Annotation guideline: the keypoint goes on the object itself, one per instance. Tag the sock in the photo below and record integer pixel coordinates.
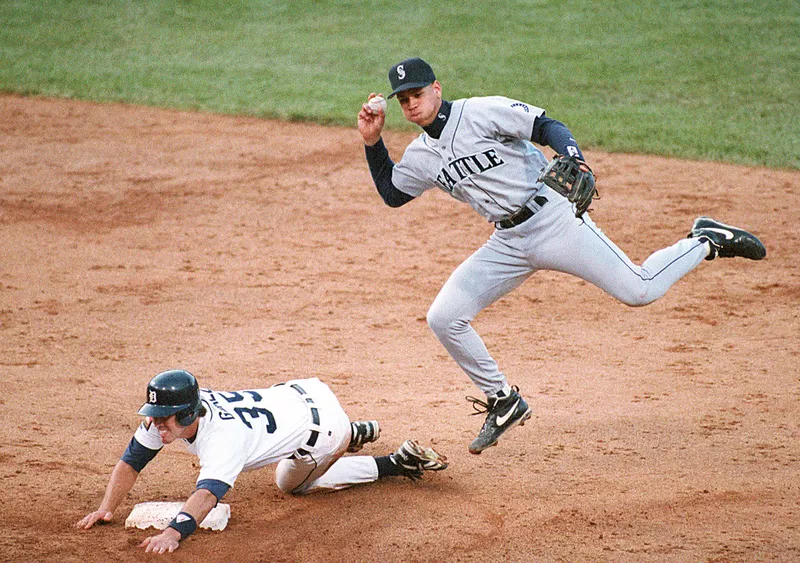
(386, 467)
(503, 393)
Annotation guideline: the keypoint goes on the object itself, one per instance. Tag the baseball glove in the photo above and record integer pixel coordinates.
(571, 177)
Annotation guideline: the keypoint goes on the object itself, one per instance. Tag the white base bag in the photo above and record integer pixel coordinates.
(159, 514)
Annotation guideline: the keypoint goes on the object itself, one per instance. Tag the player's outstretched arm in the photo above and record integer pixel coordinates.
(119, 485)
(194, 511)
(370, 122)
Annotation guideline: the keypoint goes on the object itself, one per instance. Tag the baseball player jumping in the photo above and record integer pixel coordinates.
(298, 424)
(480, 151)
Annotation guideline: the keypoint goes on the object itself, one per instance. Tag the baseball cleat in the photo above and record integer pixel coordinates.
(412, 460)
(363, 432)
(726, 241)
(503, 415)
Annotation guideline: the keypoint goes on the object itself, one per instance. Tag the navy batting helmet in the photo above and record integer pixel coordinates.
(173, 392)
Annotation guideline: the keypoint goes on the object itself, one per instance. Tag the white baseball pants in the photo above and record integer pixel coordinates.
(323, 467)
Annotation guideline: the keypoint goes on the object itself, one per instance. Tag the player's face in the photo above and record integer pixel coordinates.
(168, 428)
(420, 105)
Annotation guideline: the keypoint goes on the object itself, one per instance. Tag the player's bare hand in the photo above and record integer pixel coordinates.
(165, 542)
(96, 517)
(370, 122)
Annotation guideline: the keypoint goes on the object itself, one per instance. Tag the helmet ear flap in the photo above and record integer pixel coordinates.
(187, 416)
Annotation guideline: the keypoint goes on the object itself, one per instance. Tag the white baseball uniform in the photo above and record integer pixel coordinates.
(483, 156)
(298, 424)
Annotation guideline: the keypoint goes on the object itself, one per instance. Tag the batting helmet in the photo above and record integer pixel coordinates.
(173, 392)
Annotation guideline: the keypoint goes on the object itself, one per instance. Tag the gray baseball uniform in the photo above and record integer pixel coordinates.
(483, 156)
(481, 151)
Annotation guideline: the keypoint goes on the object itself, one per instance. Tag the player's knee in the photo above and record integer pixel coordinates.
(288, 480)
(283, 484)
(289, 487)
(439, 321)
(283, 487)
(638, 298)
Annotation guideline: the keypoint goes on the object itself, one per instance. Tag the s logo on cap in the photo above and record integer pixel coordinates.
(409, 74)
(153, 397)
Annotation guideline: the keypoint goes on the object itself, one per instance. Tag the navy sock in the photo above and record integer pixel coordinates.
(386, 468)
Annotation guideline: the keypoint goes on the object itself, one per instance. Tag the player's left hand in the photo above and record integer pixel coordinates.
(571, 177)
(165, 542)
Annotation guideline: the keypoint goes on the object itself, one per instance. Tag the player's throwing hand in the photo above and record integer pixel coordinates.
(370, 122)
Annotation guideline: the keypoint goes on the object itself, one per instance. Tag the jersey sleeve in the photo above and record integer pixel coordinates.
(148, 436)
(507, 117)
(143, 447)
(215, 487)
(555, 134)
(222, 458)
(411, 175)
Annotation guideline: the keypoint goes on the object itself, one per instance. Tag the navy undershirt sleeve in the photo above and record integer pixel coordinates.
(380, 166)
(555, 134)
(137, 456)
(216, 487)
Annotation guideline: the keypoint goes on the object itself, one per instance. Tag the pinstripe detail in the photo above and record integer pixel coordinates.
(471, 179)
(458, 123)
(303, 484)
(605, 242)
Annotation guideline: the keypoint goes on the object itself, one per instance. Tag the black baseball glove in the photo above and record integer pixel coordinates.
(571, 177)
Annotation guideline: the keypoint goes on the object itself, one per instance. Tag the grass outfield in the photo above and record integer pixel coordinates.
(714, 79)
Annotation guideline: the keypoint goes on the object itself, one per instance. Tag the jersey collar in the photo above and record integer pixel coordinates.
(435, 129)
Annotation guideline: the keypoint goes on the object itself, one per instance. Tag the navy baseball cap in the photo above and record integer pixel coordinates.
(409, 74)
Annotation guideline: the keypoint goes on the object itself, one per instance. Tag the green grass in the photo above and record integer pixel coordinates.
(712, 80)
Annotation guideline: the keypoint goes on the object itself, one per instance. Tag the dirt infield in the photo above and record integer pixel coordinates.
(136, 240)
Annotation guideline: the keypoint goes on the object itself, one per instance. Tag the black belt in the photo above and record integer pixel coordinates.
(521, 215)
(312, 439)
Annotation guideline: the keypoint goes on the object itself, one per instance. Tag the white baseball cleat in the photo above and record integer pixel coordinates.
(413, 459)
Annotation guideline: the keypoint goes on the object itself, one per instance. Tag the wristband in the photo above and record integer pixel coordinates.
(184, 523)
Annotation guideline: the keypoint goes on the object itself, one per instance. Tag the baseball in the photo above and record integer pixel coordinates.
(377, 104)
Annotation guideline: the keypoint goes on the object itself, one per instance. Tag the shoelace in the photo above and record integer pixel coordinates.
(482, 407)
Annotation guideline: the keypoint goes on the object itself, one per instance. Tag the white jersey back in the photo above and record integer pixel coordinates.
(483, 157)
(242, 430)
